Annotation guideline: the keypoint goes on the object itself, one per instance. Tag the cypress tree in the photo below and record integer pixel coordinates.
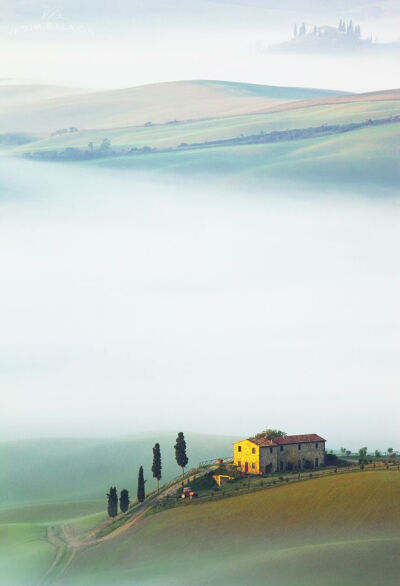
(140, 491)
(180, 453)
(112, 502)
(156, 468)
(124, 500)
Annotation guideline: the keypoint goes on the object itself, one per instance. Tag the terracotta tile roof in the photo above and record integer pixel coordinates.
(288, 439)
(261, 441)
(298, 439)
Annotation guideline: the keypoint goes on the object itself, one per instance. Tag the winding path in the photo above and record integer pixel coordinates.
(68, 545)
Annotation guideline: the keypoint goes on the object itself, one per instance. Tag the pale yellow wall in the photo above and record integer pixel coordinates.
(246, 455)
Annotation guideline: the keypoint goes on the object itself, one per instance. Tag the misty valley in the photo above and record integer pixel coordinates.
(199, 291)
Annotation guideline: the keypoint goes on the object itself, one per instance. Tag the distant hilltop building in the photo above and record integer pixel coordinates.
(344, 31)
(263, 455)
(346, 35)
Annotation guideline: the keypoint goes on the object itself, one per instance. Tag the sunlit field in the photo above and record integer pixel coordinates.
(322, 531)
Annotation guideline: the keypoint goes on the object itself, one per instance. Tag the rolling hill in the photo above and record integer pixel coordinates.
(42, 472)
(341, 529)
(335, 529)
(155, 103)
(187, 117)
(365, 160)
(47, 482)
(287, 116)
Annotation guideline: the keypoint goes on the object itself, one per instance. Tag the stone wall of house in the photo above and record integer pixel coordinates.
(309, 455)
(268, 459)
(252, 459)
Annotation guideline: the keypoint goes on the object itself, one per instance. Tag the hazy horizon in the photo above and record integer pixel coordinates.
(127, 44)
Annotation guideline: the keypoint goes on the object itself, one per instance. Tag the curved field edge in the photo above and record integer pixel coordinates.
(25, 553)
(363, 159)
(352, 520)
(171, 135)
(155, 103)
(51, 513)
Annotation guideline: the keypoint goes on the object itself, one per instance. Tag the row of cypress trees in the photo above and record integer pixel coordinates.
(182, 461)
(112, 501)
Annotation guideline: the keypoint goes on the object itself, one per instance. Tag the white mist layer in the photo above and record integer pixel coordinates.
(128, 304)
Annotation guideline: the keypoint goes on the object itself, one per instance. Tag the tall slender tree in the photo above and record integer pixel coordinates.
(350, 28)
(112, 502)
(140, 490)
(180, 453)
(124, 500)
(156, 468)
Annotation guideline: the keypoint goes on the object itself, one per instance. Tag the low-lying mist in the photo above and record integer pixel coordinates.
(128, 303)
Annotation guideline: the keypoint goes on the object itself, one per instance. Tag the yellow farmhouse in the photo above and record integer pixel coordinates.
(263, 455)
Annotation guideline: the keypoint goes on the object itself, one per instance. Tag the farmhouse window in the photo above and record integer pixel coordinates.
(253, 450)
(299, 446)
(239, 448)
(316, 446)
(253, 466)
(270, 450)
(281, 448)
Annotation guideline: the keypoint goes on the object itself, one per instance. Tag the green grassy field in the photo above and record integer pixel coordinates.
(51, 482)
(51, 513)
(340, 529)
(164, 136)
(49, 471)
(328, 531)
(365, 159)
(211, 110)
(25, 554)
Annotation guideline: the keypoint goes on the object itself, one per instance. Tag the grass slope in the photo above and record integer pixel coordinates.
(52, 513)
(12, 93)
(25, 554)
(380, 96)
(367, 157)
(50, 471)
(363, 159)
(164, 136)
(360, 159)
(329, 531)
(158, 103)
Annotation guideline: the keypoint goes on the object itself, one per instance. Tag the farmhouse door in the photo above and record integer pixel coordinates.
(246, 467)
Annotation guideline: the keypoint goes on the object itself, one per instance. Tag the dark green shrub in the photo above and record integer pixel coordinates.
(331, 460)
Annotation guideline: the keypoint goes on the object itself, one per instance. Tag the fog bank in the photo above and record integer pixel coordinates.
(128, 304)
